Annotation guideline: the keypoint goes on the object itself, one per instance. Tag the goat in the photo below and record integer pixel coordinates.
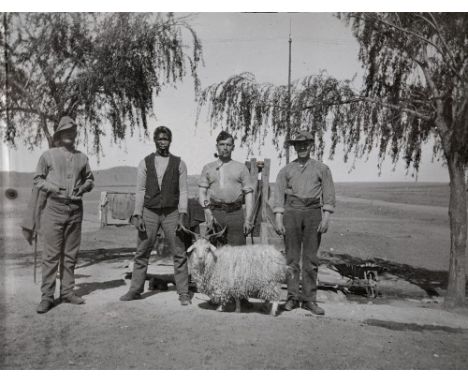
(237, 271)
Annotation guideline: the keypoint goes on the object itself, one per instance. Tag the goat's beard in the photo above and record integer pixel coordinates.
(201, 272)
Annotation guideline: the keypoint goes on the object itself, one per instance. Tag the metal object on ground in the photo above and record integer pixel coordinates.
(361, 275)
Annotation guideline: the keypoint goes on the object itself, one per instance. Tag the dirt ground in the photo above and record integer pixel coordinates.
(157, 333)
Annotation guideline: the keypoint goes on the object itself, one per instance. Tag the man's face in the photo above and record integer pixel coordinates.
(225, 148)
(68, 137)
(163, 143)
(303, 149)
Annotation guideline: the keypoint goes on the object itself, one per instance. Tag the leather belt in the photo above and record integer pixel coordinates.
(296, 201)
(67, 201)
(228, 207)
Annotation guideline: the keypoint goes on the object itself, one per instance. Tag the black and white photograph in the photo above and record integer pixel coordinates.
(252, 189)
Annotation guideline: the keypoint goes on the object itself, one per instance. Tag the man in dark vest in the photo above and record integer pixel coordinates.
(161, 201)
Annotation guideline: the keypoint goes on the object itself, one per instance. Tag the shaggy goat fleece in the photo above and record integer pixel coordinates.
(243, 271)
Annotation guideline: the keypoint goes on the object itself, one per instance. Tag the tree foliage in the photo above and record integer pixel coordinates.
(416, 66)
(396, 109)
(250, 109)
(93, 67)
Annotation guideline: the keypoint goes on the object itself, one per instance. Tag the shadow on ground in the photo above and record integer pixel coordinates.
(400, 326)
(253, 307)
(426, 279)
(87, 288)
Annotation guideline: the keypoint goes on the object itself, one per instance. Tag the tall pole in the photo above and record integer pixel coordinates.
(288, 122)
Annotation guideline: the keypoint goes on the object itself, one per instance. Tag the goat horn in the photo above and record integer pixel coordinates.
(216, 234)
(186, 230)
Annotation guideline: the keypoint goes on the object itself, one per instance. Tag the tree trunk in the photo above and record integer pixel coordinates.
(45, 130)
(458, 230)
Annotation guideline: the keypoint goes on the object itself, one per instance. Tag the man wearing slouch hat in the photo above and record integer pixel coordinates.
(64, 174)
(304, 199)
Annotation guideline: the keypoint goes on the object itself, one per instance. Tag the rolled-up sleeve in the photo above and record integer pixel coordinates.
(40, 176)
(328, 190)
(88, 177)
(245, 181)
(183, 188)
(280, 189)
(204, 181)
(140, 188)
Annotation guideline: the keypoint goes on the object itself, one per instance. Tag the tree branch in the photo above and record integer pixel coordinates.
(417, 35)
(20, 109)
(379, 102)
(407, 31)
(436, 27)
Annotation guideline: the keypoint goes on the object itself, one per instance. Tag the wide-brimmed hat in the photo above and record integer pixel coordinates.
(301, 136)
(66, 123)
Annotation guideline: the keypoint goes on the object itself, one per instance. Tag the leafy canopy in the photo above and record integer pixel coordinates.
(417, 62)
(415, 72)
(93, 67)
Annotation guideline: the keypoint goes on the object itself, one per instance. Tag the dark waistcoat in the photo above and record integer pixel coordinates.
(167, 195)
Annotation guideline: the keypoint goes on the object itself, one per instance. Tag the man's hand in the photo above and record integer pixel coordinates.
(182, 222)
(54, 190)
(279, 226)
(138, 222)
(323, 226)
(79, 191)
(248, 227)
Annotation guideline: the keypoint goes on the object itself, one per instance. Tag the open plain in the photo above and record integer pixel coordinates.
(399, 223)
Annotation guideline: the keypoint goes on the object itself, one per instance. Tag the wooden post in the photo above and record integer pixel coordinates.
(254, 176)
(265, 188)
(264, 233)
(265, 183)
(203, 228)
(103, 209)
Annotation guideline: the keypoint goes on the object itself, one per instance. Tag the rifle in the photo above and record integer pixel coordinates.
(35, 256)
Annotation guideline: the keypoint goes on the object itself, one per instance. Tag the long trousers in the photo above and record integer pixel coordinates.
(154, 219)
(302, 240)
(61, 230)
(234, 223)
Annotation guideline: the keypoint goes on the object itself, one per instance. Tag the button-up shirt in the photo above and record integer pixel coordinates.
(225, 181)
(312, 180)
(62, 172)
(160, 164)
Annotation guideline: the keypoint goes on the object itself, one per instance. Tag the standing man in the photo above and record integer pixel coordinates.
(222, 187)
(304, 200)
(64, 174)
(161, 201)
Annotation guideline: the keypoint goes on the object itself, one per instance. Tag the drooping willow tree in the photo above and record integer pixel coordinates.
(415, 87)
(94, 67)
(250, 110)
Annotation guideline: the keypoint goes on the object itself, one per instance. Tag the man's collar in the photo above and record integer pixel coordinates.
(305, 164)
(72, 150)
(159, 155)
(220, 163)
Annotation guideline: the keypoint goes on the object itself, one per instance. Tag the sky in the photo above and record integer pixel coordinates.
(258, 43)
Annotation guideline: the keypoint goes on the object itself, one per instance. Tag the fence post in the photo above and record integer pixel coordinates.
(265, 188)
(103, 209)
